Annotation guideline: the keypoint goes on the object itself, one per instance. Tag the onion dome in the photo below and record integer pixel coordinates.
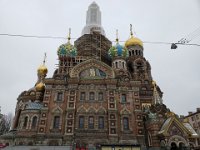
(67, 50)
(42, 70)
(40, 87)
(118, 50)
(133, 41)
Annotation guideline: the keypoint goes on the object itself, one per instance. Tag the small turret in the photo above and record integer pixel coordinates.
(118, 53)
(134, 45)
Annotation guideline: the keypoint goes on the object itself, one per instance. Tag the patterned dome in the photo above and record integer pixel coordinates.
(67, 50)
(118, 50)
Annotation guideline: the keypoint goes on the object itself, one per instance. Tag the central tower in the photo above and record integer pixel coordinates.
(93, 42)
(93, 20)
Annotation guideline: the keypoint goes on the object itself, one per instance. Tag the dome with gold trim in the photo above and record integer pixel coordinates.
(40, 87)
(118, 50)
(133, 41)
(67, 50)
(42, 70)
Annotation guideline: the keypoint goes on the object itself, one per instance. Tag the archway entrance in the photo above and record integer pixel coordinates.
(174, 146)
(181, 146)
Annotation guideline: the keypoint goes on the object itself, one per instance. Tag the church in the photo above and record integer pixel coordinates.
(101, 96)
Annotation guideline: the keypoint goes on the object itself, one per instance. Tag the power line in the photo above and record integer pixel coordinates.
(57, 37)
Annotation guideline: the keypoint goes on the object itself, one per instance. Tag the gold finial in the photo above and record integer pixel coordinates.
(45, 56)
(42, 70)
(69, 35)
(131, 30)
(117, 38)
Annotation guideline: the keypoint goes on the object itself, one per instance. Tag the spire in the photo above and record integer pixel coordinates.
(131, 30)
(69, 35)
(45, 56)
(117, 37)
(93, 20)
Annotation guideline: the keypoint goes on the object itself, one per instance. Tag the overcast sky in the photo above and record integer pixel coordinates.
(177, 72)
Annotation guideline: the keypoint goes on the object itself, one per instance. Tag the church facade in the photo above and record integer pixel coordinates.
(99, 95)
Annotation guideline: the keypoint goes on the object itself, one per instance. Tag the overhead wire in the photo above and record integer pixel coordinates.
(57, 37)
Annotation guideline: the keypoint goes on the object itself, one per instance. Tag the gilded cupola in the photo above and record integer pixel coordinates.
(42, 70)
(40, 87)
(133, 41)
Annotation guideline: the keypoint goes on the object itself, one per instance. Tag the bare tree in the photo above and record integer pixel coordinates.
(5, 123)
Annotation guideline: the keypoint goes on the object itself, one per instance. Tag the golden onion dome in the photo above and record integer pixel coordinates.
(42, 70)
(133, 41)
(40, 87)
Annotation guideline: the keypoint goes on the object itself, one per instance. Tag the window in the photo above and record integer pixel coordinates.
(91, 98)
(100, 97)
(91, 122)
(82, 96)
(116, 64)
(123, 98)
(56, 122)
(34, 122)
(125, 123)
(101, 122)
(81, 122)
(59, 96)
(25, 122)
(123, 65)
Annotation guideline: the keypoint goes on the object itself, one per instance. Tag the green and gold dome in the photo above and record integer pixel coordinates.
(67, 49)
(118, 50)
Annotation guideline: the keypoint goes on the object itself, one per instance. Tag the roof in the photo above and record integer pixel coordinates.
(190, 128)
(33, 105)
(166, 125)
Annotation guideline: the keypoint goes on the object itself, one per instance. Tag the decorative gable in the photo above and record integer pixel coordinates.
(92, 68)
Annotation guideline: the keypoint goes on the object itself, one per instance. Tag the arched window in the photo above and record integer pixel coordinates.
(100, 96)
(82, 96)
(125, 123)
(123, 65)
(129, 53)
(34, 122)
(56, 122)
(123, 98)
(120, 64)
(101, 122)
(81, 122)
(25, 122)
(116, 64)
(59, 96)
(91, 122)
(91, 96)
